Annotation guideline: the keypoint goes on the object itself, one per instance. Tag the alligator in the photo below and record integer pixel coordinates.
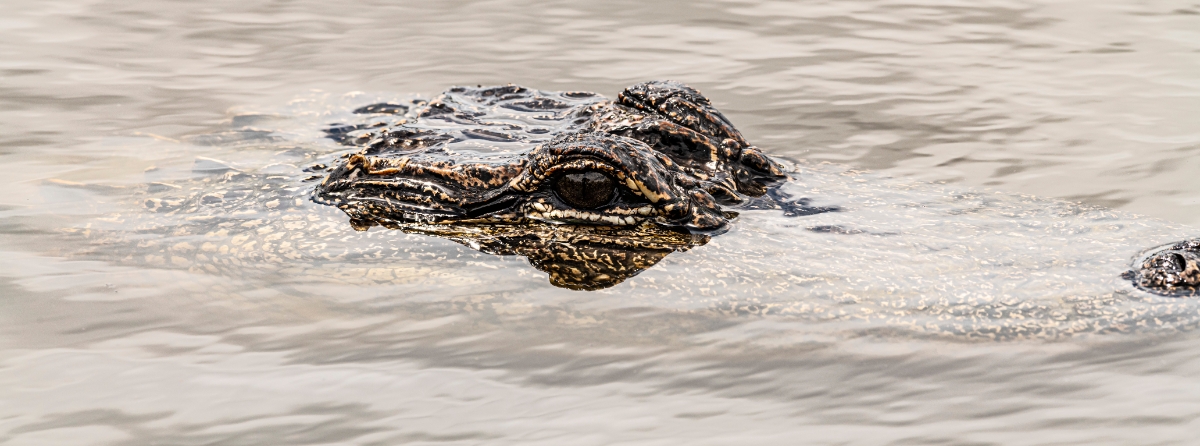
(591, 190)
(1169, 270)
(231, 212)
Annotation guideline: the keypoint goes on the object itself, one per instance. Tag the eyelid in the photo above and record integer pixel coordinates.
(587, 165)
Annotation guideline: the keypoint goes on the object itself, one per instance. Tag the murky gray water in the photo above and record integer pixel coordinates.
(135, 311)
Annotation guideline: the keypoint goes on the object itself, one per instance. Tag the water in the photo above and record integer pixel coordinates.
(960, 313)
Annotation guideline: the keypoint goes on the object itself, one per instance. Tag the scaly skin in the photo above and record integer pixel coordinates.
(673, 158)
(1172, 270)
(480, 166)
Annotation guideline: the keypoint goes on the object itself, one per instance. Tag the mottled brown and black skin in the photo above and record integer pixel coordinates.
(480, 166)
(1171, 270)
(675, 160)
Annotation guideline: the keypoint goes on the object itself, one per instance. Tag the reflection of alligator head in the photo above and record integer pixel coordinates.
(590, 190)
(580, 257)
(1170, 270)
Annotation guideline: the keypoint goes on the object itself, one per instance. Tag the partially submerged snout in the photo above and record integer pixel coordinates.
(375, 189)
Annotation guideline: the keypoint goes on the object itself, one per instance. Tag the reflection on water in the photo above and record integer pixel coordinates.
(164, 278)
(577, 257)
(590, 190)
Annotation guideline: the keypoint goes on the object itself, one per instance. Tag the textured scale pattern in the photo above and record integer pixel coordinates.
(492, 154)
(481, 166)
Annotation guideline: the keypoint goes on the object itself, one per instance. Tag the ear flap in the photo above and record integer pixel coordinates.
(695, 134)
(683, 105)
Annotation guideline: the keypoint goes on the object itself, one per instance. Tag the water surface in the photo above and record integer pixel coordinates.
(970, 312)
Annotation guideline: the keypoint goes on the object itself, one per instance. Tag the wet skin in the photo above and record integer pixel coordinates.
(592, 191)
(1170, 270)
(660, 154)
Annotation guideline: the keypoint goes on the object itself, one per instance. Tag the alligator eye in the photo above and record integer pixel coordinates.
(1178, 262)
(585, 190)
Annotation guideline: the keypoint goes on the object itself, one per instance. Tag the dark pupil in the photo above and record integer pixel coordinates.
(587, 190)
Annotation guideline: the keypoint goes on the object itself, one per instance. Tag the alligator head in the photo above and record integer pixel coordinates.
(1170, 270)
(563, 178)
